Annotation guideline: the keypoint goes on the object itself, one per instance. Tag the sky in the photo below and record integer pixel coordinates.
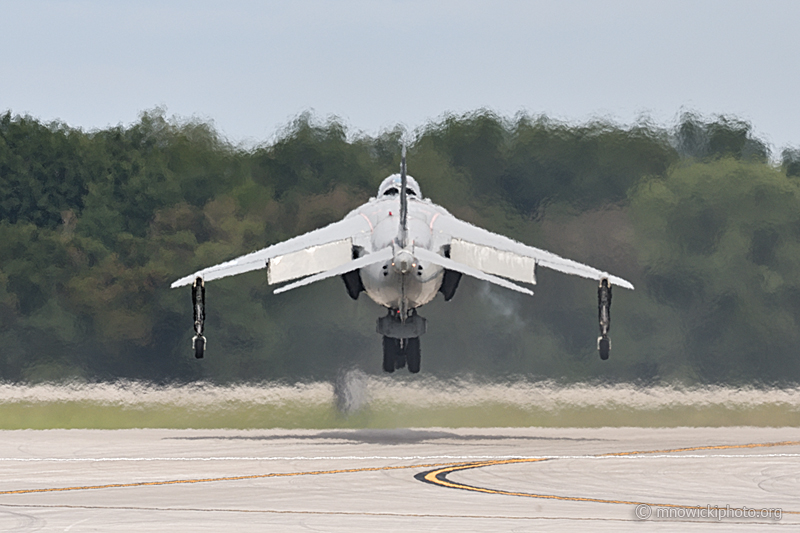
(251, 66)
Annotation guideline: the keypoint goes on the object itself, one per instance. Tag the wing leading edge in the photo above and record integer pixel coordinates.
(315, 251)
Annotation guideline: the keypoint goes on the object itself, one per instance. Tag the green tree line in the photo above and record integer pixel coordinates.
(94, 226)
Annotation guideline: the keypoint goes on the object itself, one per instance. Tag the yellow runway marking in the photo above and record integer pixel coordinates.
(439, 476)
(216, 479)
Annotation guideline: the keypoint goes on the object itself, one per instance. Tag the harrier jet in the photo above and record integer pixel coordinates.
(401, 249)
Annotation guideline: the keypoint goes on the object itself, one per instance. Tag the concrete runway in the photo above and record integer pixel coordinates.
(504, 479)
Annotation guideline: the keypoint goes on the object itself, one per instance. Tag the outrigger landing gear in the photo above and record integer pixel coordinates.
(199, 305)
(604, 312)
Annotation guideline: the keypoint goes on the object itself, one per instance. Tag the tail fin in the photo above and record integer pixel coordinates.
(403, 198)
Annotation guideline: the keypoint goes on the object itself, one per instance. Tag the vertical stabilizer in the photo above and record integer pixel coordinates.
(403, 199)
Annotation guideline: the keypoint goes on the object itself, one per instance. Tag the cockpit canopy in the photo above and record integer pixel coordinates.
(391, 187)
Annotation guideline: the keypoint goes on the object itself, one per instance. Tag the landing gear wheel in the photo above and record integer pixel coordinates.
(413, 353)
(391, 351)
(199, 346)
(604, 346)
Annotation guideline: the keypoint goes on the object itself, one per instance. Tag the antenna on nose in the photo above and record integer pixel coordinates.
(403, 197)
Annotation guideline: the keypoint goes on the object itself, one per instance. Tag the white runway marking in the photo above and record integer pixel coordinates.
(388, 457)
(76, 523)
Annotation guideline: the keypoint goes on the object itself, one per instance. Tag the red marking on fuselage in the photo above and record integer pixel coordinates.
(371, 228)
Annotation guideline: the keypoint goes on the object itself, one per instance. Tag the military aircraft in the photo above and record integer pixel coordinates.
(401, 249)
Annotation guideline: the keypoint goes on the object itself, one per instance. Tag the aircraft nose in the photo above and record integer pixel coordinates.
(403, 262)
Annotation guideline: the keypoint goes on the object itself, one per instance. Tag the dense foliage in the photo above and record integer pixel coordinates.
(95, 225)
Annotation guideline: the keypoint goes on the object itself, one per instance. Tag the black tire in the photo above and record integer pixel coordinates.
(391, 349)
(413, 352)
(605, 348)
(400, 360)
(199, 347)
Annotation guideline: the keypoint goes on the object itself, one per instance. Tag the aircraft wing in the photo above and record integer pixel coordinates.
(316, 251)
(496, 254)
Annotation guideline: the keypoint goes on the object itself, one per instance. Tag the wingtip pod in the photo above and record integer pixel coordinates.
(187, 280)
(619, 282)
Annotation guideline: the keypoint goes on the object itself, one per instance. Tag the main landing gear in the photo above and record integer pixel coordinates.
(199, 306)
(604, 312)
(397, 353)
(401, 346)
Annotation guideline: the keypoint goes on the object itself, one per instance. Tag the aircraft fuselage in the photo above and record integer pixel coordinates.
(386, 283)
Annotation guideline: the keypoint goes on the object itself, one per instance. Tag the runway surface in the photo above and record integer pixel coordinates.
(502, 479)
